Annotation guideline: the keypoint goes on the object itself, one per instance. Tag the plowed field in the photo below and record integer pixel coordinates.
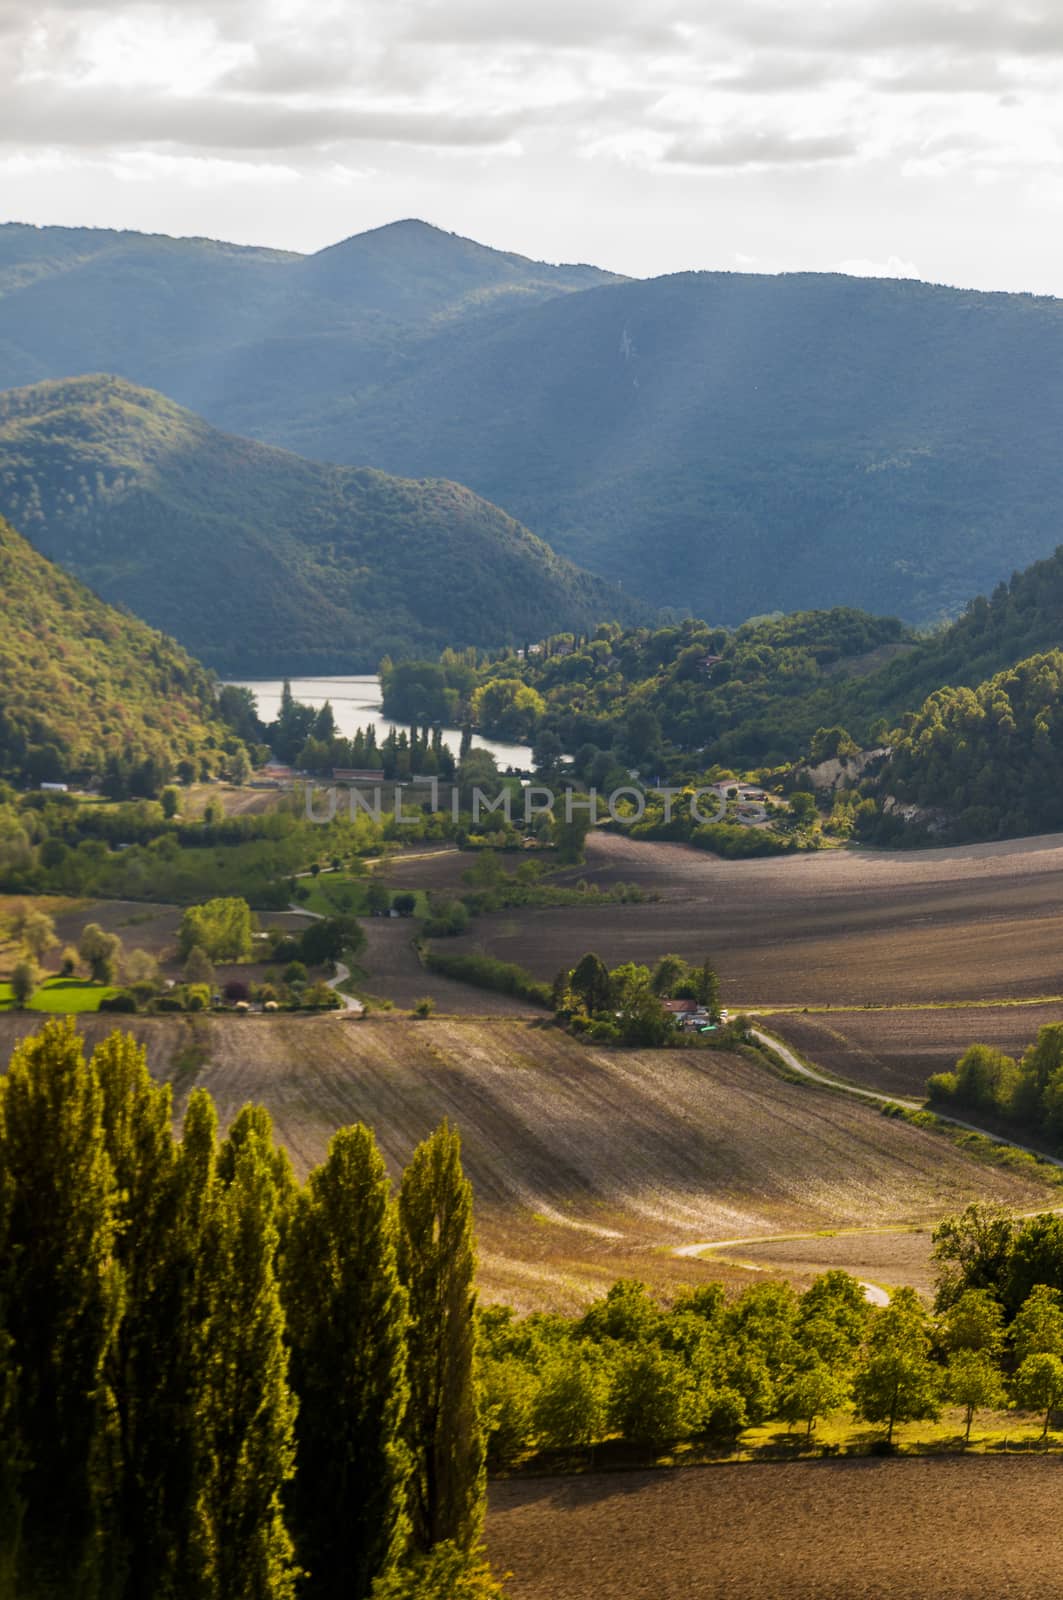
(587, 1164)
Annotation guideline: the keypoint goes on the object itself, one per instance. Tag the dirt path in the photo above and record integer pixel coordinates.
(343, 971)
(795, 1064)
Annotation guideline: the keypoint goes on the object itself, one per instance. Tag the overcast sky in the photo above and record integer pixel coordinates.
(918, 137)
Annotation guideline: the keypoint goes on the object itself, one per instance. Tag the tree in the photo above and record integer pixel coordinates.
(569, 1407)
(246, 1424)
(973, 1251)
(1038, 1325)
(100, 951)
(141, 967)
(1038, 1386)
(815, 1392)
(60, 1292)
(138, 1138)
(646, 1397)
(24, 980)
(669, 971)
(378, 899)
(327, 938)
(590, 981)
(708, 989)
(346, 1312)
(447, 1573)
(198, 968)
(973, 1322)
(973, 1381)
(803, 807)
(405, 904)
(221, 927)
(896, 1381)
(38, 934)
(437, 1264)
(171, 802)
(68, 961)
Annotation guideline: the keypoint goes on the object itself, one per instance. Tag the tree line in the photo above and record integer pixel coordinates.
(706, 1368)
(217, 1383)
(1028, 1091)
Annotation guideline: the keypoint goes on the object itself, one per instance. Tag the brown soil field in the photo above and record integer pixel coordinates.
(838, 927)
(950, 1528)
(896, 1051)
(587, 1164)
(394, 972)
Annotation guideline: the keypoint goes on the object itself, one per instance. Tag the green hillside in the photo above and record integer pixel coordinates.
(259, 561)
(723, 443)
(81, 682)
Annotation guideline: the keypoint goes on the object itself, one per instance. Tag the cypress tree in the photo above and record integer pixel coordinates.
(142, 1362)
(437, 1264)
(245, 1426)
(346, 1313)
(61, 1294)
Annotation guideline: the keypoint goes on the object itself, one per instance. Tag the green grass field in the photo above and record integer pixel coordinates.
(61, 996)
(335, 893)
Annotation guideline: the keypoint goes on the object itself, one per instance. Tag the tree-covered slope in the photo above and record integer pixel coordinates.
(258, 560)
(740, 444)
(80, 681)
(244, 334)
(725, 443)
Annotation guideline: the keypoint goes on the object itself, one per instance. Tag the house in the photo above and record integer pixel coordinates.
(55, 788)
(680, 1008)
(357, 774)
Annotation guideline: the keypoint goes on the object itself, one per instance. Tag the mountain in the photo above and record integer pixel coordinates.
(80, 681)
(720, 443)
(231, 331)
(258, 561)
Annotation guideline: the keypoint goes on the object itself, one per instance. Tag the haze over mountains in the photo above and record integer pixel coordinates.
(775, 442)
(261, 562)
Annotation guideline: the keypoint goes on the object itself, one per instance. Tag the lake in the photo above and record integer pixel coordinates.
(355, 704)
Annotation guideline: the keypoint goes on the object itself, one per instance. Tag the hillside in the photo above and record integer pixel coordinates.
(570, 1194)
(239, 333)
(80, 681)
(259, 561)
(789, 442)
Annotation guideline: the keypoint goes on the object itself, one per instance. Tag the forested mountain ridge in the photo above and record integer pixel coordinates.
(792, 442)
(259, 561)
(81, 682)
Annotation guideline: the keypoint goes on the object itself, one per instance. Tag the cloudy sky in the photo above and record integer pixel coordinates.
(918, 137)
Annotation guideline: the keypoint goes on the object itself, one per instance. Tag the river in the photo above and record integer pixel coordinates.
(355, 704)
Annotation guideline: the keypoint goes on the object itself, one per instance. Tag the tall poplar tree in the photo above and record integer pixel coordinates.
(143, 1360)
(346, 1314)
(437, 1264)
(245, 1426)
(61, 1294)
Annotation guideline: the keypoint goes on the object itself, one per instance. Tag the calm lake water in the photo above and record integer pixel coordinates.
(356, 704)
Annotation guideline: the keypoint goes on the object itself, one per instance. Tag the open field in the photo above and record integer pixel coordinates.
(839, 927)
(951, 1528)
(61, 997)
(588, 1164)
(896, 1051)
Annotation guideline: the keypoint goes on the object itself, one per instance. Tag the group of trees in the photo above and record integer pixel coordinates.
(217, 1383)
(306, 737)
(1028, 1091)
(708, 1367)
(625, 1004)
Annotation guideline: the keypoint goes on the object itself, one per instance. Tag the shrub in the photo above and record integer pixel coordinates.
(425, 1007)
(123, 1001)
(485, 972)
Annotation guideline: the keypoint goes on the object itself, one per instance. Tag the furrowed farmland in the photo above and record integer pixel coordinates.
(841, 927)
(953, 1529)
(590, 1164)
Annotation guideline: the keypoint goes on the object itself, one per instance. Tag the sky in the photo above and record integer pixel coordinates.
(916, 138)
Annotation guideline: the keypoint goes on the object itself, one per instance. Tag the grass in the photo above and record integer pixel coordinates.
(64, 997)
(338, 894)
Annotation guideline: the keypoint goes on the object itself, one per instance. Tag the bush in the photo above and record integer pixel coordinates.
(447, 1573)
(236, 990)
(425, 1007)
(123, 1001)
(485, 972)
